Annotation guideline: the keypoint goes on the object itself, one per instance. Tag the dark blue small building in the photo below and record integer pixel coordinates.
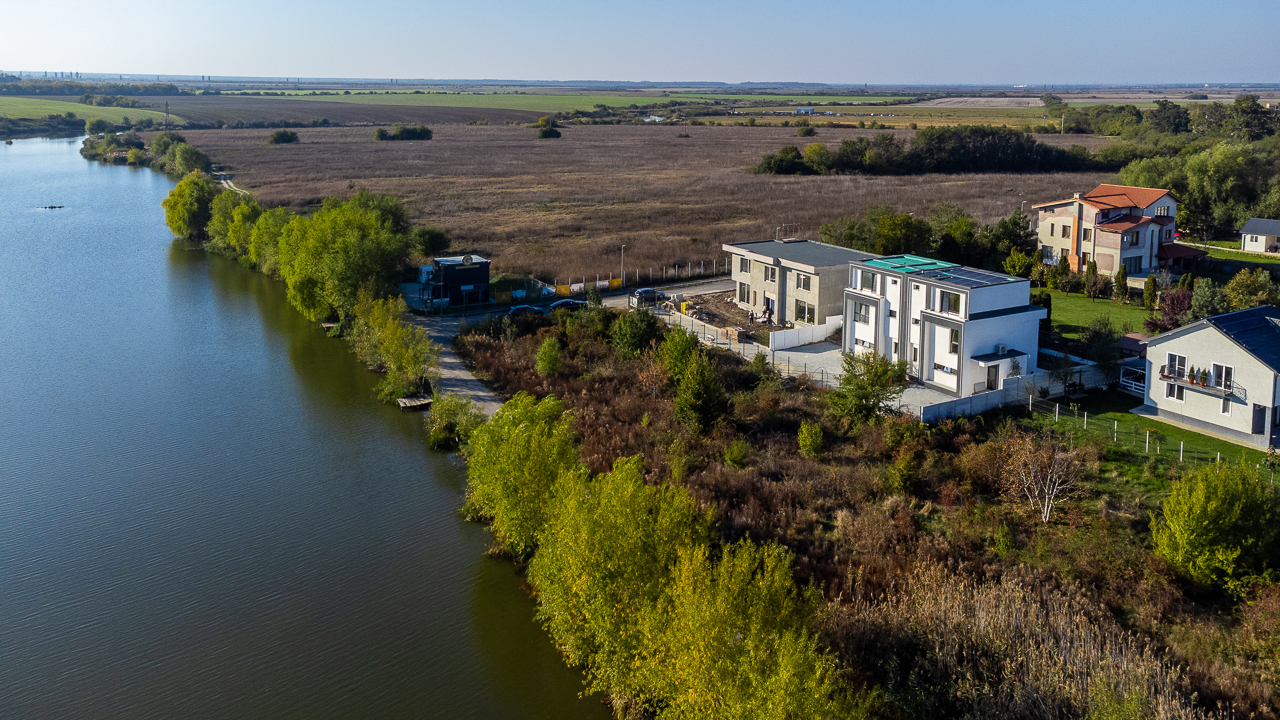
(461, 280)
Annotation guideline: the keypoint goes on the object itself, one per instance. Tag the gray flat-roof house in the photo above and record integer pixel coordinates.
(961, 329)
(1235, 387)
(796, 281)
(1260, 235)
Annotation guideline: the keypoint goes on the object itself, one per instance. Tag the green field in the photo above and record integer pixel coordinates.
(532, 102)
(33, 108)
(1072, 313)
(1218, 253)
(793, 99)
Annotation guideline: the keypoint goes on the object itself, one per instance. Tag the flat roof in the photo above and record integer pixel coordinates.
(461, 260)
(802, 252)
(950, 273)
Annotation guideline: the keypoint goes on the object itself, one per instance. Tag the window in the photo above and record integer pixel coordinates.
(955, 342)
(1222, 375)
(915, 354)
(770, 274)
(949, 302)
(1135, 239)
(861, 313)
(1176, 366)
(868, 281)
(895, 347)
(1168, 234)
(744, 265)
(1064, 252)
(802, 281)
(943, 368)
(1226, 406)
(1086, 234)
(915, 321)
(915, 286)
(1132, 265)
(804, 312)
(1048, 255)
(1053, 230)
(1175, 392)
(893, 313)
(1066, 231)
(1084, 259)
(744, 293)
(1162, 211)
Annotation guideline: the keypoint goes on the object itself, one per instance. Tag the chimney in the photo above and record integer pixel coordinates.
(1077, 196)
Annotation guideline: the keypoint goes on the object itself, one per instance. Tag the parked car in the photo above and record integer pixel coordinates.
(645, 297)
(525, 310)
(567, 304)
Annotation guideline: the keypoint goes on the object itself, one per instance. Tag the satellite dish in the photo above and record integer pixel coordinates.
(466, 261)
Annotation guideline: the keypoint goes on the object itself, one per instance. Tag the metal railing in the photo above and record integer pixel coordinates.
(1211, 383)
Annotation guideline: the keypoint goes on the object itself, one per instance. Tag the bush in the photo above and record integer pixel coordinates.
(547, 133)
(282, 137)
(548, 359)
(700, 399)
(1219, 527)
(451, 421)
(97, 126)
(810, 440)
(632, 332)
(136, 156)
(737, 453)
(187, 208)
(805, 131)
(417, 132)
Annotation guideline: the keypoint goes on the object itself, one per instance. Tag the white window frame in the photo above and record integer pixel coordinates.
(944, 304)
(1162, 211)
(1175, 392)
(802, 281)
(1226, 405)
(1178, 364)
(867, 280)
(744, 265)
(954, 342)
(805, 313)
(771, 274)
(744, 293)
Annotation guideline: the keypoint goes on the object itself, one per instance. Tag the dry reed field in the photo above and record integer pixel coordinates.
(560, 208)
(230, 108)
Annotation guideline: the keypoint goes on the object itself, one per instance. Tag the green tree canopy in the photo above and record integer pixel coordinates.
(187, 208)
(869, 388)
(700, 397)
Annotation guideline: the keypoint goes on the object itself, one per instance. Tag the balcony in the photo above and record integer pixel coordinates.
(1214, 386)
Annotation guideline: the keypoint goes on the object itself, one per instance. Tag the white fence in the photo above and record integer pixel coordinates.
(797, 336)
(1013, 391)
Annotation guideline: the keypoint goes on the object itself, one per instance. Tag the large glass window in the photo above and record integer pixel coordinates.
(1173, 391)
(804, 312)
(1162, 211)
(744, 293)
(861, 313)
(869, 281)
(744, 265)
(949, 302)
(771, 274)
(802, 281)
(1176, 365)
(1222, 375)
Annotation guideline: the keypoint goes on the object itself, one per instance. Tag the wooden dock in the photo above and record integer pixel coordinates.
(416, 403)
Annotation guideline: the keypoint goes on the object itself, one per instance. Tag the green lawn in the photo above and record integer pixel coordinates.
(1124, 435)
(1072, 313)
(1218, 253)
(36, 108)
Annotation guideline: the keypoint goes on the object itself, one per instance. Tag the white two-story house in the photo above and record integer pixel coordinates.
(962, 330)
(1113, 225)
(1221, 373)
(791, 281)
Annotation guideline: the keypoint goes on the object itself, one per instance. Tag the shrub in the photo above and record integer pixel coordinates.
(869, 388)
(678, 347)
(805, 131)
(136, 156)
(97, 126)
(737, 453)
(1218, 527)
(417, 132)
(548, 359)
(632, 332)
(700, 399)
(547, 133)
(282, 137)
(810, 440)
(451, 421)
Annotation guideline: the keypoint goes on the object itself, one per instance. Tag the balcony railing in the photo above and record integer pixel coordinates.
(1212, 385)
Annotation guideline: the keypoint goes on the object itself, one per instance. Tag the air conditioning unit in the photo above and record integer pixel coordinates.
(1002, 349)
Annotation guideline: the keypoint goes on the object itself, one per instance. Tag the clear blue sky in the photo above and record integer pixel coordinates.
(888, 41)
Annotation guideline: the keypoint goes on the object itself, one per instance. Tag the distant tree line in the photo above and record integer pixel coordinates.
(1243, 119)
(110, 101)
(55, 125)
(67, 87)
(965, 148)
(168, 152)
(946, 233)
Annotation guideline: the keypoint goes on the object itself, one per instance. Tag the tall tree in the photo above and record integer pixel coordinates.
(187, 208)
(869, 388)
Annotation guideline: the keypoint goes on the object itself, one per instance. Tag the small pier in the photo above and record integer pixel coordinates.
(417, 403)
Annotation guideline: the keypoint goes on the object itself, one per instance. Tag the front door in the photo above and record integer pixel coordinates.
(993, 376)
(769, 307)
(1259, 419)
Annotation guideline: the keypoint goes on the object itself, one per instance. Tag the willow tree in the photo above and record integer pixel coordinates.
(187, 208)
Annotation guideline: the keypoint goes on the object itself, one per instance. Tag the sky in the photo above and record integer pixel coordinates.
(850, 42)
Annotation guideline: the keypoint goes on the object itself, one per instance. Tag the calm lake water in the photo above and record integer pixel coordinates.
(204, 512)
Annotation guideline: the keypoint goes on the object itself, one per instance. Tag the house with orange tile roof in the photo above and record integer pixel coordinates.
(1114, 226)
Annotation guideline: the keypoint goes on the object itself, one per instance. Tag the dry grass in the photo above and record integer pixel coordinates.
(230, 108)
(563, 207)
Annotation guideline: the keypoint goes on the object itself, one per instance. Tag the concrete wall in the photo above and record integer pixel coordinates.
(1254, 383)
(995, 297)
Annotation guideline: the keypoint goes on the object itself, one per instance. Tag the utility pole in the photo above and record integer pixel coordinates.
(624, 266)
(166, 116)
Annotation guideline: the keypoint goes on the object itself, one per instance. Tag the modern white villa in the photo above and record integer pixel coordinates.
(791, 281)
(961, 329)
(1221, 374)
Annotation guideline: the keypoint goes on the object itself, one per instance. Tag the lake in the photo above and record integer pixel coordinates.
(204, 511)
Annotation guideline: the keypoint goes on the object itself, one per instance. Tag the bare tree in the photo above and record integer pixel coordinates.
(1041, 470)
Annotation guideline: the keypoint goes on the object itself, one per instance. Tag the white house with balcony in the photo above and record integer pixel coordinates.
(962, 330)
(1221, 374)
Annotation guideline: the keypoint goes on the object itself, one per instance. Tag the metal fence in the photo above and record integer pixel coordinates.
(716, 337)
(1136, 433)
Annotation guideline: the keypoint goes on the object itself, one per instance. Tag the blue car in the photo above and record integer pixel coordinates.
(568, 305)
(525, 310)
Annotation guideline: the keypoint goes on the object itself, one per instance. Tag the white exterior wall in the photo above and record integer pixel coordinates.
(1253, 381)
(940, 343)
(1257, 243)
(1018, 332)
(996, 297)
